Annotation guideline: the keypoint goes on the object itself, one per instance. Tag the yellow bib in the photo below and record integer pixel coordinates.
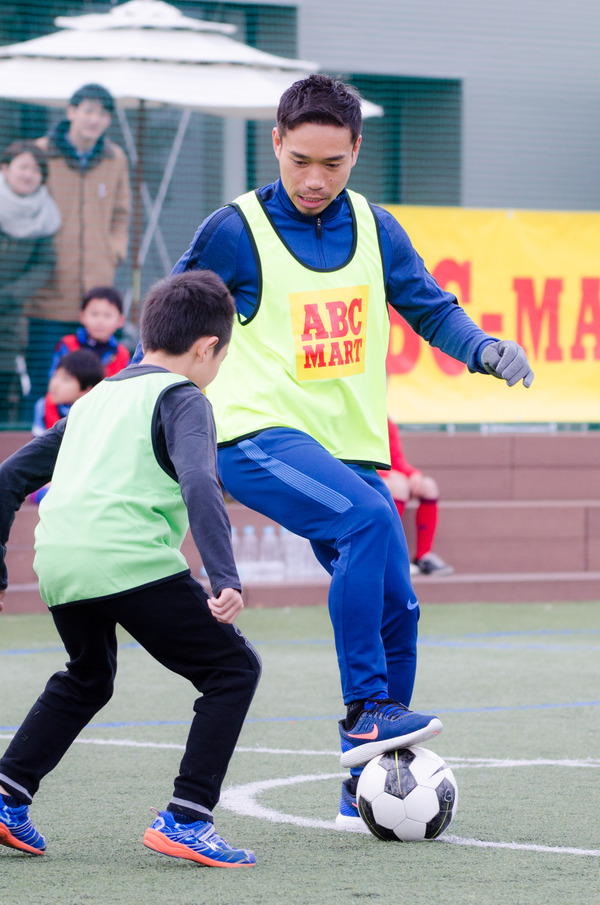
(312, 357)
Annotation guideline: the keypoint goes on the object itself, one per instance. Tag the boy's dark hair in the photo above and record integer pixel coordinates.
(103, 292)
(320, 99)
(180, 309)
(85, 366)
(93, 92)
(25, 146)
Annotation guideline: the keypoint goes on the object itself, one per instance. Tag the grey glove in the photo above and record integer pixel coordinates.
(507, 360)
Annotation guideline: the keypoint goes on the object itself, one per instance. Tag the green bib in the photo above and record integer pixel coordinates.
(312, 357)
(113, 519)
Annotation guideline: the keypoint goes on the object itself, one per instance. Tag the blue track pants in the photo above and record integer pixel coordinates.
(348, 514)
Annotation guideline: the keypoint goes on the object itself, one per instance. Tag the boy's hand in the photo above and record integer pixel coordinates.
(2, 593)
(226, 606)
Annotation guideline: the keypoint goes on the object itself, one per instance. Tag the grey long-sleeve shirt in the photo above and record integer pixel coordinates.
(185, 445)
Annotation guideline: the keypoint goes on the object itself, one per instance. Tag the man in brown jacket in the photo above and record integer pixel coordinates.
(89, 180)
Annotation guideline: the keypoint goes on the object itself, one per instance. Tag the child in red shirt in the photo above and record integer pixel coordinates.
(101, 316)
(406, 482)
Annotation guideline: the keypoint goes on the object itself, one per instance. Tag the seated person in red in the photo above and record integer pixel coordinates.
(77, 372)
(101, 316)
(405, 483)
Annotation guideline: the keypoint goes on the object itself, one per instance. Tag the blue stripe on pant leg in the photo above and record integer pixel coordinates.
(296, 479)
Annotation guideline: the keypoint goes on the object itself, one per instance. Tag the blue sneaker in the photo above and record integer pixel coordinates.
(384, 725)
(17, 830)
(348, 819)
(194, 841)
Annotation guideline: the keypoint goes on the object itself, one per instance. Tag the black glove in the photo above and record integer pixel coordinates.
(507, 360)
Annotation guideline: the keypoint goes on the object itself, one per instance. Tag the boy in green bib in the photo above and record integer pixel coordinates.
(132, 466)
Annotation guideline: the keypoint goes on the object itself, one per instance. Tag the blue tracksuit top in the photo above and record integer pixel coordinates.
(222, 244)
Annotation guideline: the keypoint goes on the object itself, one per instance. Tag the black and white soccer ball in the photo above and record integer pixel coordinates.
(407, 795)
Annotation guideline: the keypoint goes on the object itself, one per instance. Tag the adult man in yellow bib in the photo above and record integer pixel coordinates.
(300, 401)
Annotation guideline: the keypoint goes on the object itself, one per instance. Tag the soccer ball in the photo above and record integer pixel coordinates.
(407, 795)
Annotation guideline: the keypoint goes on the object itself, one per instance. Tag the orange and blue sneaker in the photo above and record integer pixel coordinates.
(349, 819)
(17, 830)
(384, 725)
(196, 841)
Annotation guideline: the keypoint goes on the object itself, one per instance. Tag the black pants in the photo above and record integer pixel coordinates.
(172, 621)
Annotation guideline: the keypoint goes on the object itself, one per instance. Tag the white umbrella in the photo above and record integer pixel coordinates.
(147, 53)
(147, 50)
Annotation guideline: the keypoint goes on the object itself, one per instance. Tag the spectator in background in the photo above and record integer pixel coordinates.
(29, 218)
(88, 177)
(405, 483)
(75, 376)
(101, 316)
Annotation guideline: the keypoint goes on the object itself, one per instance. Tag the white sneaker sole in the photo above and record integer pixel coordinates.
(351, 824)
(362, 754)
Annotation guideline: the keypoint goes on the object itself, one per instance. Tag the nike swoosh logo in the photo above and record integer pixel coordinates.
(412, 606)
(368, 736)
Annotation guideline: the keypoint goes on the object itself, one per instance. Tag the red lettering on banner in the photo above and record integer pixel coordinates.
(348, 351)
(403, 359)
(357, 347)
(449, 271)
(588, 321)
(313, 322)
(335, 357)
(337, 317)
(536, 314)
(314, 358)
(354, 307)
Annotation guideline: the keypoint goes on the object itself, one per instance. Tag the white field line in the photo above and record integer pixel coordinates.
(241, 799)
(455, 763)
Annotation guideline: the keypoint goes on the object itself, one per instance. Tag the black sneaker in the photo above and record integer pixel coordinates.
(432, 564)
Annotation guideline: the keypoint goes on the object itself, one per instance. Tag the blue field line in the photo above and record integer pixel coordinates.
(458, 644)
(461, 641)
(508, 708)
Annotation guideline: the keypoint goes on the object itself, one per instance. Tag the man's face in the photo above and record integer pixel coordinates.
(315, 161)
(89, 120)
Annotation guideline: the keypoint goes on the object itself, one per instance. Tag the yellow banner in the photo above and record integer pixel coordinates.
(531, 276)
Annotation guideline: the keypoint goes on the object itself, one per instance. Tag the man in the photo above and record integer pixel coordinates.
(88, 177)
(300, 402)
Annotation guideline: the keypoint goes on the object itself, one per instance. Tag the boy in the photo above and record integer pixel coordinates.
(75, 375)
(132, 456)
(101, 316)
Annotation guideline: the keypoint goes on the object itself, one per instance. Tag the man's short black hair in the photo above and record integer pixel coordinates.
(181, 309)
(85, 366)
(320, 99)
(26, 146)
(93, 92)
(103, 292)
